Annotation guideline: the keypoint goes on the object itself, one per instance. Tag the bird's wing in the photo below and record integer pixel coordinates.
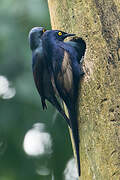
(67, 73)
(38, 73)
(65, 76)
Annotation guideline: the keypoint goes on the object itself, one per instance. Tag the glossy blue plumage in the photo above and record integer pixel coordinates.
(43, 81)
(62, 62)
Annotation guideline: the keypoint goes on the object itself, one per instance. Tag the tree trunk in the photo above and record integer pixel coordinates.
(98, 23)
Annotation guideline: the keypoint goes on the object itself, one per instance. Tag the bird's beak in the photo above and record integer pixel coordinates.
(68, 35)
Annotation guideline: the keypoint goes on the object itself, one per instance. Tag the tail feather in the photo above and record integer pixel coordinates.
(75, 133)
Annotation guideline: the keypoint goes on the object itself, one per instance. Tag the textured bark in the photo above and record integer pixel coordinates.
(98, 23)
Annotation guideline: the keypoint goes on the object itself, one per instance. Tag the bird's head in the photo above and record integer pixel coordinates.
(57, 35)
(35, 35)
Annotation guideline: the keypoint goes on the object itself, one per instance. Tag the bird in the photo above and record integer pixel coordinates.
(43, 81)
(62, 61)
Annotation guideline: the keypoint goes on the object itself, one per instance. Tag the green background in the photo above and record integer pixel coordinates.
(19, 113)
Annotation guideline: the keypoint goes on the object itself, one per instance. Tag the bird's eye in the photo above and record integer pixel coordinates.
(44, 30)
(60, 33)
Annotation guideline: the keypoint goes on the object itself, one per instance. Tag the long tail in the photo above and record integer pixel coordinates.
(75, 133)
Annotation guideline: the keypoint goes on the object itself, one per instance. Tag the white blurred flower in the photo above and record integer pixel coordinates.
(43, 171)
(70, 172)
(37, 142)
(6, 92)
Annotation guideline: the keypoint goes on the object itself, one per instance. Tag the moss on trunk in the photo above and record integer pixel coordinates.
(98, 23)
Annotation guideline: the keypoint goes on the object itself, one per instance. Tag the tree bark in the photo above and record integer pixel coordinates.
(98, 23)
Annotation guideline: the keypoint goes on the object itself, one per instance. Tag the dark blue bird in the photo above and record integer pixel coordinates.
(62, 61)
(43, 81)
